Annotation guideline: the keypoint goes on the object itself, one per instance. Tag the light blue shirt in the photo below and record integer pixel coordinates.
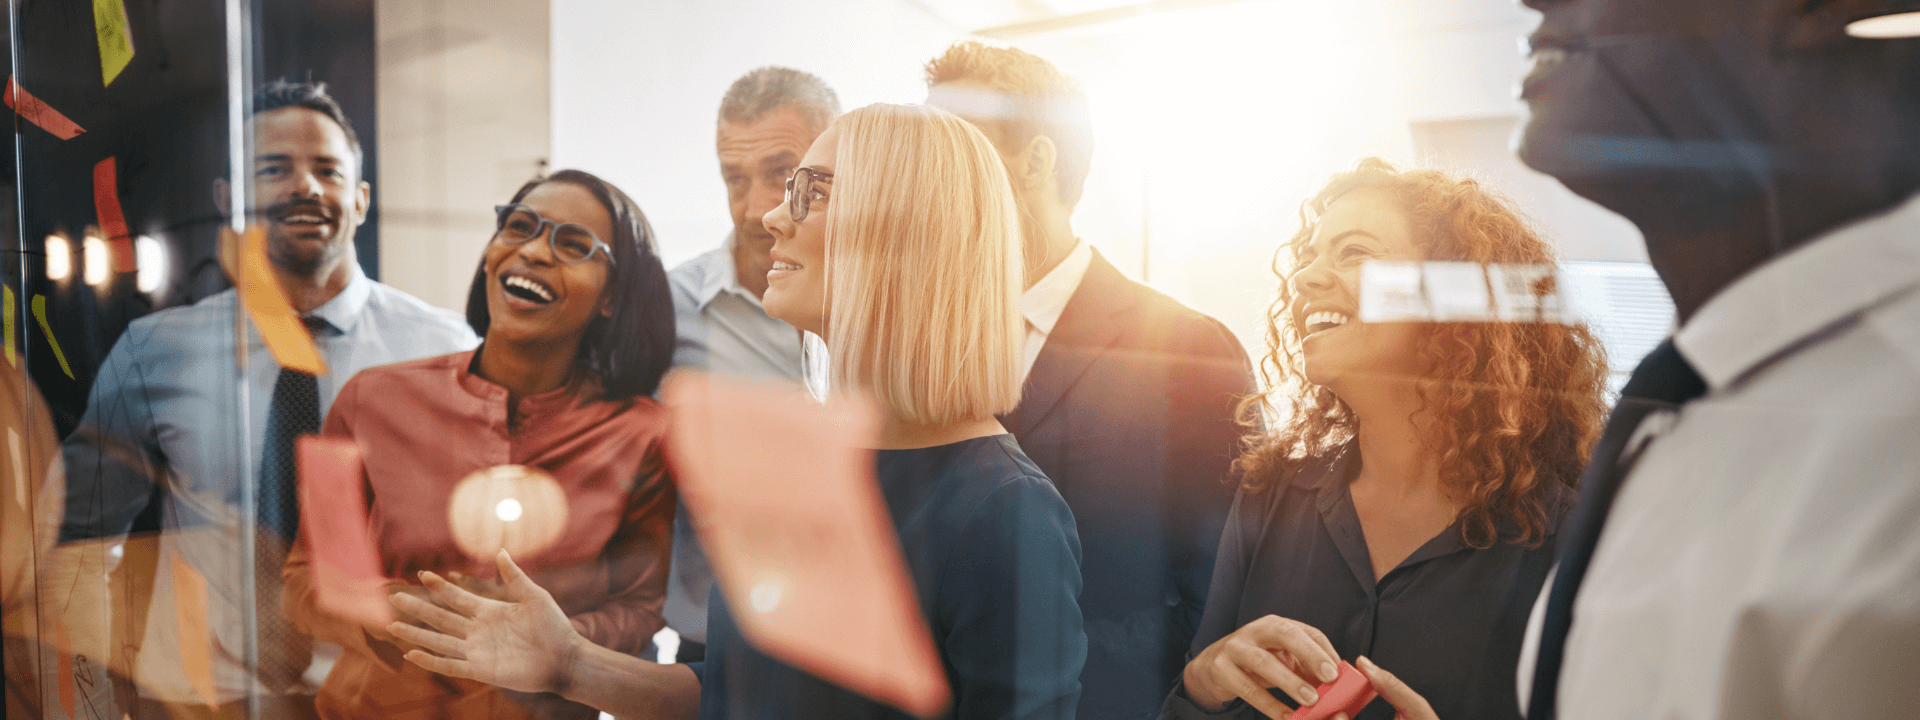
(722, 328)
(163, 407)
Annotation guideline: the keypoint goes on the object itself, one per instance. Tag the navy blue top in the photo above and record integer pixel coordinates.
(996, 564)
(1447, 621)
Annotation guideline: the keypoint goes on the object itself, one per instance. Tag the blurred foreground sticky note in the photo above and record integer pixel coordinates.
(288, 339)
(38, 113)
(116, 44)
(196, 639)
(106, 203)
(63, 660)
(786, 504)
(333, 521)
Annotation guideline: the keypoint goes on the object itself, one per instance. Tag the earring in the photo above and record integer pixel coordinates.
(815, 366)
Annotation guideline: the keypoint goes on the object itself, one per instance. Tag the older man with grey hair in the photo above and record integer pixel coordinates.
(768, 119)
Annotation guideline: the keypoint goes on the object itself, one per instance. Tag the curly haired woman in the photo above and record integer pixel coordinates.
(1404, 507)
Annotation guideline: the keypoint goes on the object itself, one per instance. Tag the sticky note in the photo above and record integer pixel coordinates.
(13, 356)
(1391, 291)
(63, 665)
(116, 44)
(113, 223)
(1457, 291)
(1348, 693)
(196, 639)
(266, 302)
(334, 524)
(38, 113)
(785, 502)
(40, 314)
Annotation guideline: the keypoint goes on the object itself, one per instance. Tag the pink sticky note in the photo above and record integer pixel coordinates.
(786, 503)
(38, 113)
(196, 635)
(113, 223)
(333, 521)
(1348, 693)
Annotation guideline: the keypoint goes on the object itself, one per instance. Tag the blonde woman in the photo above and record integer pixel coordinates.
(899, 246)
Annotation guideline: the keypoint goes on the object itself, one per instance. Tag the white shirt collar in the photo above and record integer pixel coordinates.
(1042, 304)
(343, 312)
(1811, 288)
(718, 274)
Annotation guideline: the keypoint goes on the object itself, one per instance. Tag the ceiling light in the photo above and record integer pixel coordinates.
(1895, 19)
(59, 258)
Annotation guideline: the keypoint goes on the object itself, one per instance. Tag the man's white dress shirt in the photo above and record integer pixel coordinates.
(1763, 558)
(1043, 303)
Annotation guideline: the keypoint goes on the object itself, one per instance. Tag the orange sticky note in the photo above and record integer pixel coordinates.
(786, 503)
(38, 113)
(333, 523)
(196, 639)
(63, 662)
(292, 346)
(106, 203)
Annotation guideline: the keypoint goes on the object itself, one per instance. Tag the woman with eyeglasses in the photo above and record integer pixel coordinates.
(577, 325)
(899, 245)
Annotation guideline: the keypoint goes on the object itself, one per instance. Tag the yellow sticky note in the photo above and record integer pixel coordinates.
(196, 640)
(40, 314)
(13, 356)
(266, 302)
(116, 44)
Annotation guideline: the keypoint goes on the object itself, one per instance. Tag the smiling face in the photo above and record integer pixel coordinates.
(306, 189)
(755, 160)
(797, 284)
(1339, 349)
(534, 297)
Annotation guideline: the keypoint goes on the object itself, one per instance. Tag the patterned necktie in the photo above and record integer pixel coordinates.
(294, 411)
(1663, 381)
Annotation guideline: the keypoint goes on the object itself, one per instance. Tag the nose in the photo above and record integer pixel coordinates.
(779, 221)
(1314, 280)
(764, 196)
(539, 249)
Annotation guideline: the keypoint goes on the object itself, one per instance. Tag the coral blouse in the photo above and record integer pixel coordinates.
(421, 427)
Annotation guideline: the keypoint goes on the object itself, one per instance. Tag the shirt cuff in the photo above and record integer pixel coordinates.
(1180, 707)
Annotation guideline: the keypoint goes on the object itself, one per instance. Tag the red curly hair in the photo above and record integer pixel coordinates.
(1509, 408)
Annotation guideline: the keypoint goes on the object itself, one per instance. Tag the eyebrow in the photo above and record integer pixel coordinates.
(281, 157)
(1335, 240)
(826, 175)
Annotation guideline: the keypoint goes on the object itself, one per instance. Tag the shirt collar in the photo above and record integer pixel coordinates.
(718, 274)
(344, 311)
(1811, 288)
(1043, 303)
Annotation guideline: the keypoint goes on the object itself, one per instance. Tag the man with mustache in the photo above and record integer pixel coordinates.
(160, 430)
(768, 119)
(1744, 545)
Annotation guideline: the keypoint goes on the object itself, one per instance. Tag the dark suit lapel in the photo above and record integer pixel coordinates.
(1087, 327)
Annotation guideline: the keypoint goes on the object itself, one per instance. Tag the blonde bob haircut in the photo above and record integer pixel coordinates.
(923, 270)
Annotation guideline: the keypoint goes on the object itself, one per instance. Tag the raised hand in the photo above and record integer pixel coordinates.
(524, 643)
(1271, 652)
(1407, 704)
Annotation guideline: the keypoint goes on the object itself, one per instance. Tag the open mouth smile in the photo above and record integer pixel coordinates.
(1323, 320)
(527, 289)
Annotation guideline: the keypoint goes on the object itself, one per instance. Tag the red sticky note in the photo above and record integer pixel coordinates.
(106, 203)
(63, 660)
(266, 302)
(784, 499)
(334, 523)
(196, 638)
(38, 113)
(1348, 693)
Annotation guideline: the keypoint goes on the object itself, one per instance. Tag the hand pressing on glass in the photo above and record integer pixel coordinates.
(523, 643)
(1271, 652)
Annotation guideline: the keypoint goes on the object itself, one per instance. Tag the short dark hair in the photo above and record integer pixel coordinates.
(1042, 101)
(281, 93)
(757, 94)
(629, 351)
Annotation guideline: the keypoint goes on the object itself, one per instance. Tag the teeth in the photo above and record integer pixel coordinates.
(530, 286)
(777, 265)
(1547, 58)
(313, 219)
(1327, 318)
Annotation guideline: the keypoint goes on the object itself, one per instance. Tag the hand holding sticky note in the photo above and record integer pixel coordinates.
(786, 504)
(1348, 694)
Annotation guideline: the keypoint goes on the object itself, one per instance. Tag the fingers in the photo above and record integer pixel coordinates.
(444, 666)
(452, 595)
(1245, 686)
(1309, 648)
(1267, 670)
(440, 644)
(1407, 703)
(519, 586)
(433, 615)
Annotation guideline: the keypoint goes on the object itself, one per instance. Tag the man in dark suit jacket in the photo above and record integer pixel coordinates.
(1130, 397)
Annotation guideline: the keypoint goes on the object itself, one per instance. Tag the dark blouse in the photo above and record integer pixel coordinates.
(996, 565)
(1447, 621)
